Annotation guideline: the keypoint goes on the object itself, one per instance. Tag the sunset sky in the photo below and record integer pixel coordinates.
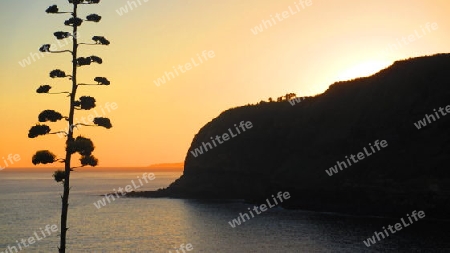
(310, 45)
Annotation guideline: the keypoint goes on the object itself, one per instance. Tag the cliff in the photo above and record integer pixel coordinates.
(290, 147)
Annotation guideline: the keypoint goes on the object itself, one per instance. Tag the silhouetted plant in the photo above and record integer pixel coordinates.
(52, 9)
(85, 103)
(87, 60)
(45, 48)
(81, 145)
(96, 59)
(57, 73)
(290, 96)
(100, 40)
(88, 160)
(43, 89)
(104, 122)
(93, 18)
(83, 61)
(102, 80)
(44, 157)
(49, 115)
(84, 146)
(73, 22)
(59, 175)
(37, 130)
(61, 35)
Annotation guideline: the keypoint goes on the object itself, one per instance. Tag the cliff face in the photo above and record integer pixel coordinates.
(289, 147)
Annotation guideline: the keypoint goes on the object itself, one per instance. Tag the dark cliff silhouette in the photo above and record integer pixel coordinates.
(290, 146)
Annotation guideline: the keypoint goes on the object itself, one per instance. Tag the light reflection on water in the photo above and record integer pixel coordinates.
(160, 225)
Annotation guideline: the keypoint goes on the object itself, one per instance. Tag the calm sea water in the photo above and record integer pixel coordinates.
(29, 201)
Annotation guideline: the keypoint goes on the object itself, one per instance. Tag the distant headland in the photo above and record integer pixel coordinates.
(167, 166)
(290, 148)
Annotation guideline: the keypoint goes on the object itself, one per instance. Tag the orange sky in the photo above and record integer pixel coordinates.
(306, 49)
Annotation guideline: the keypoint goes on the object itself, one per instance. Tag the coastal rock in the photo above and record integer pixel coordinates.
(290, 147)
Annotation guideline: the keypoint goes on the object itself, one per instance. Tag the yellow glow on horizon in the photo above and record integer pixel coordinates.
(363, 69)
(304, 54)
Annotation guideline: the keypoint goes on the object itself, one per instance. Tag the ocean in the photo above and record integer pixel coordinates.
(30, 202)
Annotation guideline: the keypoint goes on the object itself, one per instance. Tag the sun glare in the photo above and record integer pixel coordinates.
(363, 69)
